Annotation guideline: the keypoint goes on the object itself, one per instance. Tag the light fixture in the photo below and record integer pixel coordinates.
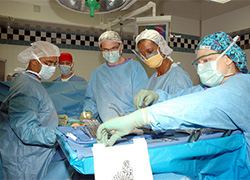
(221, 1)
(106, 6)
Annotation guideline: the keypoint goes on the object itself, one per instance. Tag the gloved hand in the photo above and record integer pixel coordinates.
(137, 131)
(145, 96)
(121, 126)
(62, 120)
(86, 115)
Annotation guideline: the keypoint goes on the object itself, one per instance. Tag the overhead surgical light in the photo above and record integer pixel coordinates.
(93, 5)
(106, 6)
(221, 1)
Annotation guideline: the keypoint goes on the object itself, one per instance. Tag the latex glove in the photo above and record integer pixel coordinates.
(145, 98)
(121, 126)
(62, 120)
(86, 115)
(137, 131)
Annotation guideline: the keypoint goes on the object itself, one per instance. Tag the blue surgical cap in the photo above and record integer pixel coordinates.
(219, 41)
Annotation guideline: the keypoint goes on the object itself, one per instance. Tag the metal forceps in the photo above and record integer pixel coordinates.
(84, 130)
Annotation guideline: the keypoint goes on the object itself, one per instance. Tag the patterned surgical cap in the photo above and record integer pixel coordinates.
(219, 41)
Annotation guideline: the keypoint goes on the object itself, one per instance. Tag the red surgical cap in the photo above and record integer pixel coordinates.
(65, 57)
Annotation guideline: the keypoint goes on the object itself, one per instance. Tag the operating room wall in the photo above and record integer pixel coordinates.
(84, 61)
(47, 11)
(188, 31)
(50, 12)
(87, 60)
(235, 23)
(236, 20)
(87, 57)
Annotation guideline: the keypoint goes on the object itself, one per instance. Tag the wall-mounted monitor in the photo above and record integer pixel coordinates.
(158, 23)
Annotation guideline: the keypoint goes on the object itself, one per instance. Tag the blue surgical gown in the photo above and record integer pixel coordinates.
(173, 81)
(73, 78)
(27, 124)
(111, 89)
(226, 106)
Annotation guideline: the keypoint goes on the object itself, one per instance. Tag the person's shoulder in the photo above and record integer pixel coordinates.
(99, 70)
(24, 78)
(57, 79)
(240, 78)
(178, 67)
(238, 81)
(134, 63)
(25, 84)
(101, 67)
(242, 75)
(78, 78)
(178, 70)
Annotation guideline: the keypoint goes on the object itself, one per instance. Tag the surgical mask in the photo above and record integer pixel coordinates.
(111, 56)
(65, 69)
(154, 60)
(208, 72)
(209, 75)
(46, 72)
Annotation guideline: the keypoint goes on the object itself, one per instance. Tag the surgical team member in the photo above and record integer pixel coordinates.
(222, 101)
(170, 76)
(113, 85)
(28, 118)
(65, 67)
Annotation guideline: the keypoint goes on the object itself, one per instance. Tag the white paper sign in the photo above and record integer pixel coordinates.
(124, 162)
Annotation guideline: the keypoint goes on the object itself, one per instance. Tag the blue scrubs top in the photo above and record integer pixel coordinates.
(111, 89)
(226, 106)
(173, 81)
(28, 121)
(73, 78)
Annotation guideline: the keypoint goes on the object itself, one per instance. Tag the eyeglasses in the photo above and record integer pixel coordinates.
(115, 48)
(149, 55)
(203, 59)
(50, 63)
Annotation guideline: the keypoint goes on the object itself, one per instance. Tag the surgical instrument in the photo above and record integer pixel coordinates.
(84, 130)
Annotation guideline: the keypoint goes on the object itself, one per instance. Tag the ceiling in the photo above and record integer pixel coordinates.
(190, 9)
(193, 9)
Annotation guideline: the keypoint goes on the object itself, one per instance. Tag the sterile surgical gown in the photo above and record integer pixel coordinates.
(27, 124)
(226, 106)
(73, 78)
(173, 81)
(111, 89)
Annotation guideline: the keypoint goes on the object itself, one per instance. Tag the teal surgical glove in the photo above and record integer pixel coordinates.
(145, 96)
(121, 126)
(85, 115)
